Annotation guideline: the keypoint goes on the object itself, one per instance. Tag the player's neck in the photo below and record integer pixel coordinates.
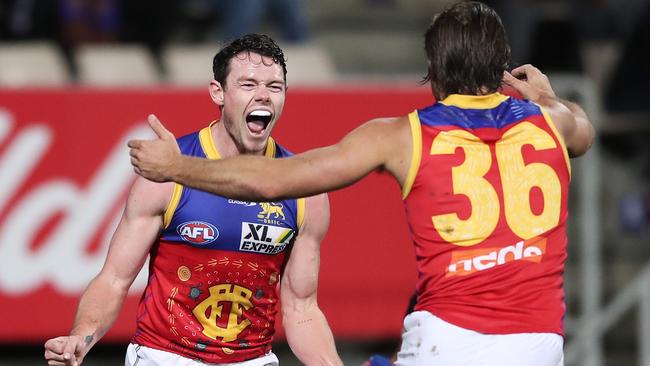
(225, 143)
(482, 92)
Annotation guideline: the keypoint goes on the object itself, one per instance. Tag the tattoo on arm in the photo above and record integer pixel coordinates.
(303, 321)
(89, 339)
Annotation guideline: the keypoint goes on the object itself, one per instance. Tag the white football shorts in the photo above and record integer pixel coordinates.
(429, 340)
(138, 355)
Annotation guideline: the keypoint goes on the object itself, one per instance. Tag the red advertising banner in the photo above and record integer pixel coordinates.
(65, 173)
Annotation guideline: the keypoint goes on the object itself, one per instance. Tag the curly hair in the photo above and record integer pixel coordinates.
(257, 43)
(467, 50)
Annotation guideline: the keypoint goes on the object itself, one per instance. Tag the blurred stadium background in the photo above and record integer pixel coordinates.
(77, 79)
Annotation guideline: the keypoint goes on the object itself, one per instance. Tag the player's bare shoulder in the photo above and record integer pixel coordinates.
(397, 143)
(149, 196)
(389, 122)
(391, 129)
(379, 134)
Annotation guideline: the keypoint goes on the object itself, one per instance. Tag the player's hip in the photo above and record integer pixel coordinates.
(429, 340)
(138, 355)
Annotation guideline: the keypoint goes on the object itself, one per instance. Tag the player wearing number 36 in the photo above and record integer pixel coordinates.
(485, 182)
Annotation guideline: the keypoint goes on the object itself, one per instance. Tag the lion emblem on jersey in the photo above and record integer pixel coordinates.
(269, 209)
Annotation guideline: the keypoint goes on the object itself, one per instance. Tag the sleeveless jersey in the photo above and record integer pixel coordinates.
(486, 204)
(214, 271)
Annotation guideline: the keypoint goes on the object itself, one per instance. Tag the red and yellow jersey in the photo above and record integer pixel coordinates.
(486, 203)
(214, 271)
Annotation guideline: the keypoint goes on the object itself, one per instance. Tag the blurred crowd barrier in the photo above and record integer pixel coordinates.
(42, 64)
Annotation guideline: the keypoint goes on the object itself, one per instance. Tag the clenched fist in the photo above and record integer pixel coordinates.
(67, 350)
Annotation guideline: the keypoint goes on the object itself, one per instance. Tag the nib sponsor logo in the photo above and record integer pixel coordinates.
(264, 239)
(466, 262)
(198, 232)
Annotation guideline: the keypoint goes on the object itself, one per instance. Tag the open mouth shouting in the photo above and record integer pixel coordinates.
(257, 121)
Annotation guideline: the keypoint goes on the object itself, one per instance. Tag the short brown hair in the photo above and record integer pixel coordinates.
(257, 43)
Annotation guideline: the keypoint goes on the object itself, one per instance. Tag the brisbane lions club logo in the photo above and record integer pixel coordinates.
(269, 209)
(198, 232)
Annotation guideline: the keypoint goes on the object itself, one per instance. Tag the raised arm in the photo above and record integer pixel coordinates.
(308, 333)
(101, 302)
(569, 118)
(375, 145)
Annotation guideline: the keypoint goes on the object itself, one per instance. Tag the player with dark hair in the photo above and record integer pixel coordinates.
(218, 266)
(485, 183)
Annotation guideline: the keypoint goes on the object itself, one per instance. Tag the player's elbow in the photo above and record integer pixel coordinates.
(585, 137)
(267, 190)
(591, 133)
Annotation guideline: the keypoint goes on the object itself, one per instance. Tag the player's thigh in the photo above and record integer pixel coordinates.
(534, 349)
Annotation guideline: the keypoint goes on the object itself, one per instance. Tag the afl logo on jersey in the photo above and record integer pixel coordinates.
(198, 232)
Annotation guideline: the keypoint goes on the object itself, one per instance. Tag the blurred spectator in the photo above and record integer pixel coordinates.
(608, 19)
(244, 16)
(28, 19)
(534, 28)
(148, 21)
(238, 17)
(628, 88)
(634, 213)
(84, 21)
(520, 19)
